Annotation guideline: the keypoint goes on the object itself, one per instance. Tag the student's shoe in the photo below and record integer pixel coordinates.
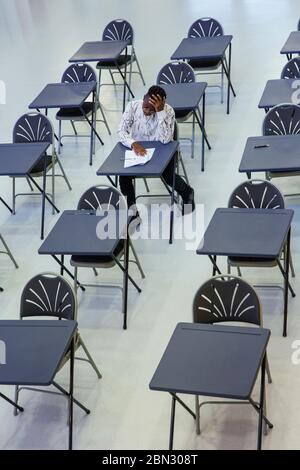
(188, 203)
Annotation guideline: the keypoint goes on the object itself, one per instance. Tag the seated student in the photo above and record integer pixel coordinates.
(151, 119)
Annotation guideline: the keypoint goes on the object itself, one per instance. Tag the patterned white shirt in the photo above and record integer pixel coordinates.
(136, 127)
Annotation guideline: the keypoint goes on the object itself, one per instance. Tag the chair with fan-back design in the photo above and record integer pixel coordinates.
(104, 198)
(202, 28)
(180, 72)
(77, 73)
(48, 295)
(227, 298)
(283, 119)
(35, 127)
(257, 194)
(291, 69)
(120, 30)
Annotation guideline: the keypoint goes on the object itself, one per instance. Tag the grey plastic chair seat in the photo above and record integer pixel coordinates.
(183, 114)
(251, 262)
(202, 64)
(282, 174)
(110, 64)
(73, 113)
(39, 167)
(98, 261)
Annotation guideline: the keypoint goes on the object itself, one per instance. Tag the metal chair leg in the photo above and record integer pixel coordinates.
(53, 183)
(104, 118)
(14, 196)
(139, 69)
(146, 185)
(292, 266)
(112, 77)
(29, 184)
(9, 252)
(63, 173)
(268, 371)
(136, 259)
(59, 136)
(222, 86)
(198, 430)
(239, 271)
(183, 167)
(74, 128)
(16, 399)
(95, 271)
(193, 136)
(75, 280)
(90, 359)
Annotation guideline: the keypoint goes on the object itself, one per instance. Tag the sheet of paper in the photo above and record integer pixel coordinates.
(131, 159)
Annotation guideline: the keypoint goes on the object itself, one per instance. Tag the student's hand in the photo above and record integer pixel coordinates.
(138, 149)
(157, 102)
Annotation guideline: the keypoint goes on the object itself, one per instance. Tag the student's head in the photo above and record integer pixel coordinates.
(154, 91)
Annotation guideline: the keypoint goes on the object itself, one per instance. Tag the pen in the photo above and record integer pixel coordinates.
(261, 146)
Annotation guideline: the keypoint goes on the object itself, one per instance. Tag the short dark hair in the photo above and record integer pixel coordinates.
(156, 90)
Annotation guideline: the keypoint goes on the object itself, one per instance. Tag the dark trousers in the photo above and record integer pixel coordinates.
(127, 185)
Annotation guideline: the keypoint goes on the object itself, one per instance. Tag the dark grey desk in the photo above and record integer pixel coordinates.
(164, 153)
(205, 49)
(34, 351)
(250, 233)
(277, 92)
(19, 160)
(187, 96)
(75, 234)
(292, 45)
(281, 154)
(215, 361)
(103, 51)
(69, 95)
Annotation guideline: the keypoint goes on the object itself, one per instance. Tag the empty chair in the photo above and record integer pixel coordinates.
(181, 72)
(77, 73)
(120, 30)
(283, 119)
(104, 198)
(48, 295)
(257, 194)
(208, 27)
(228, 299)
(35, 127)
(291, 69)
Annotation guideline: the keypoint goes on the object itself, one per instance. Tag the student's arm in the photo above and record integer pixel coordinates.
(166, 124)
(124, 130)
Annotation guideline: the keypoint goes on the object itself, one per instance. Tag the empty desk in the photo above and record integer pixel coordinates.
(206, 49)
(183, 96)
(75, 234)
(19, 160)
(34, 350)
(164, 153)
(106, 51)
(277, 92)
(271, 153)
(292, 45)
(69, 95)
(215, 361)
(252, 234)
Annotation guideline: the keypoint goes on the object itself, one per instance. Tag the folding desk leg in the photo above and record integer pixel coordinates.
(203, 131)
(216, 270)
(261, 404)
(172, 204)
(43, 201)
(11, 402)
(6, 205)
(125, 280)
(63, 268)
(172, 425)
(125, 80)
(286, 282)
(71, 395)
